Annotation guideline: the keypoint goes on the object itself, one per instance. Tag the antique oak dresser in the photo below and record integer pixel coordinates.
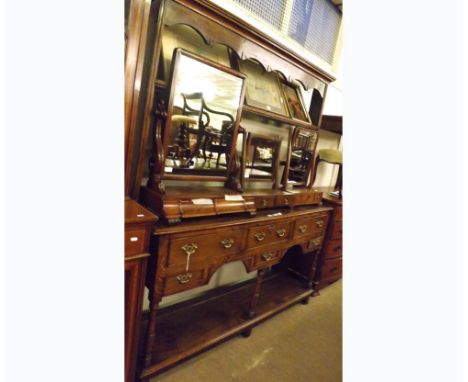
(221, 134)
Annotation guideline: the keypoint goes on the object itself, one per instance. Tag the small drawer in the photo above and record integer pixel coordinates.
(135, 241)
(333, 248)
(310, 226)
(337, 230)
(202, 246)
(266, 258)
(184, 281)
(315, 243)
(267, 234)
(264, 202)
(339, 213)
(284, 200)
(308, 198)
(331, 269)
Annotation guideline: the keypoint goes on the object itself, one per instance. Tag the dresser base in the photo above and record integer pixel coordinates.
(188, 328)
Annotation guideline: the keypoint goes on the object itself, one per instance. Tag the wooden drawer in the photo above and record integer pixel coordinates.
(284, 200)
(333, 248)
(264, 202)
(307, 198)
(267, 234)
(315, 243)
(135, 241)
(203, 247)
(331, 269)
(266, 258)
(184, 281)
(310, 226)
(337, 230)
(339, 213)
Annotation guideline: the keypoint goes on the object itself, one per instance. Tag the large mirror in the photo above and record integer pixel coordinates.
(302, 156)
(203, 116)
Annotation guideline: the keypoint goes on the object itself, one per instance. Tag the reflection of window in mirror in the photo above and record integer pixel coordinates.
(187, 38)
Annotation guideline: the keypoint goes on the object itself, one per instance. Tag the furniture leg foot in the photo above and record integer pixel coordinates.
(251, 314)
(246, 333)
(305, 300)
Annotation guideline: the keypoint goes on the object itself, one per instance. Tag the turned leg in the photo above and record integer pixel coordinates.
(151, 332)
(256, 295)
(315, 275)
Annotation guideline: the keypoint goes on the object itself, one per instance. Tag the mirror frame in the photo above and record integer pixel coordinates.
(269, 141)
(175, 65)
(304, 182)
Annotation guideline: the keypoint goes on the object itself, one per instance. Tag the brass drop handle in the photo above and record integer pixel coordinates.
(337, 248)
(189, 250)
(333, 270)
(319, 223)
(302, 228)
(260, 236)
(264, 202)
(267, 256)
(285, 201)
(281, 232)
(227, 243)
(184, 278)
(316, 241)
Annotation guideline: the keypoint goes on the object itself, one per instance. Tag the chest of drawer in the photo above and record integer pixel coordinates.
(339, 213)
(310, 226)
(204, 246)
(332, 269)
(267, 234)
(135, 241)
(336, 231)
(333, 248)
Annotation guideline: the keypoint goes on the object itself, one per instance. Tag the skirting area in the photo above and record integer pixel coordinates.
(301, 344)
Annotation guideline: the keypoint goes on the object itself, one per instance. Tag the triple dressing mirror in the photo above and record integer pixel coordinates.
(203, 116)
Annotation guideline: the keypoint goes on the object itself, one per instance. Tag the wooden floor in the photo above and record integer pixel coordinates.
(301, 344)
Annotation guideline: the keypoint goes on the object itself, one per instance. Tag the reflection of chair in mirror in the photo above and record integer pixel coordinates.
(180, 150)
(261, 158)
(302, 155)
(208, 138)
(218, 142)
(333, 157)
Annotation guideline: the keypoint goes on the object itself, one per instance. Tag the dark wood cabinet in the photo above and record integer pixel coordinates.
(330, 264)
(230, 181)
(138, 224)
(186, 256)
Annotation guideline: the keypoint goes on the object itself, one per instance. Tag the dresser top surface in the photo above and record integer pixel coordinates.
(198, 224)
(329, 198)
(135, 213)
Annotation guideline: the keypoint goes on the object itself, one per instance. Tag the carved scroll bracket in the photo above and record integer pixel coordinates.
(157, 159)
